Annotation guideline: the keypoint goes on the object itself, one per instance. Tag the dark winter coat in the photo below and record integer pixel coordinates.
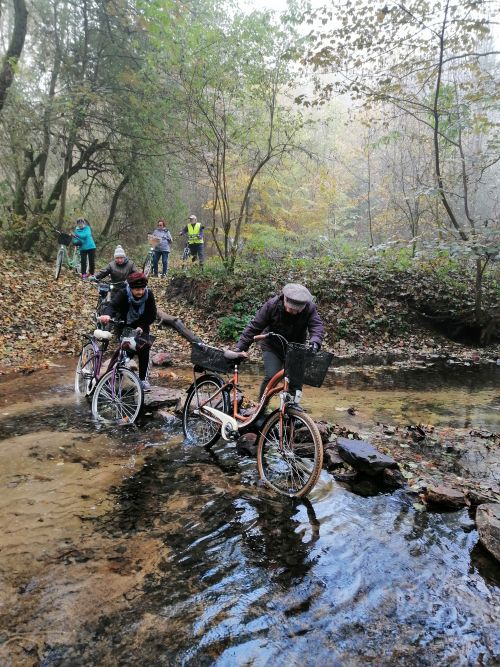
(118, 308)
(272, 316)
(117, 272)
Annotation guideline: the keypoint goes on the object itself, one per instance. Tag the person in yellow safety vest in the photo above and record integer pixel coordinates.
(194, 232)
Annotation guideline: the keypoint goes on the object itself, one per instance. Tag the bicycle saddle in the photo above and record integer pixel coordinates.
(102, 335)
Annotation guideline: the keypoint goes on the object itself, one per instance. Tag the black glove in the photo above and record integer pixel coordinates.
(314, 347)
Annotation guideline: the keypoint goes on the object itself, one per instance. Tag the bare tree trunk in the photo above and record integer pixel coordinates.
(114, 203)
(15, 49)
(368, 197)
(435, 114)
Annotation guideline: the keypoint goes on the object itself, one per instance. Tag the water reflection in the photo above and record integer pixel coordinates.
(190, 562)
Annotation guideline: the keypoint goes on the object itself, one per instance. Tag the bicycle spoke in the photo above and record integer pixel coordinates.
(289, 460)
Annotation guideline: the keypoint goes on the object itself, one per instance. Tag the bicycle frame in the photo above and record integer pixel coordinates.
(231, 424)
(71, 262)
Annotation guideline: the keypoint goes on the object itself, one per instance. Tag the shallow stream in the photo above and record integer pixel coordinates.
(126, 547)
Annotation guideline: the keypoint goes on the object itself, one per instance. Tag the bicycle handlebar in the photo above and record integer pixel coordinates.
(268, 334)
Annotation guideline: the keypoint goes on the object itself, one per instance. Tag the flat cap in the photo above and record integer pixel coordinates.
(297, 293)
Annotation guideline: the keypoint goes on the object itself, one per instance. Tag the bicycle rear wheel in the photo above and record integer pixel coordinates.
(118, 397)
(148, 265)
(290, 464)
(59, 263)
(85, 371)
(198, 428)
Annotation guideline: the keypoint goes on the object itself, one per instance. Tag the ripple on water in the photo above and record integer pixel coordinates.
(189, 562)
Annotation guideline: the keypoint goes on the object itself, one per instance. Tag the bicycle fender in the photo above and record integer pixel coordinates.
(202, 378)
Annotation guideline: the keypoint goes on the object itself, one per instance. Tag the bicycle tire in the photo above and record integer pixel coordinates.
(197, 428)
(294, 469)
(85, 371)
(59, 263)
(148, 265)
(118, 397)
(76, 261)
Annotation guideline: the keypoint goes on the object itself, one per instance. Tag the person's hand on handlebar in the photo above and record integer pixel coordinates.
(138, 331)
(314, 347)
(104, 319)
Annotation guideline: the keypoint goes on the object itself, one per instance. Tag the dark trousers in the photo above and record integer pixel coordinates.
(273, 364)
(164, 260)
(143, 357)
(91, 256)
(196, 250)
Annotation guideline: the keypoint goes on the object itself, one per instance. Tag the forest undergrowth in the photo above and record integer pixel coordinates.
(373, 313)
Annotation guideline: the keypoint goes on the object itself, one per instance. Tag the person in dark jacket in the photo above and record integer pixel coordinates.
(291, 314)
(119, 269)
(136, 306)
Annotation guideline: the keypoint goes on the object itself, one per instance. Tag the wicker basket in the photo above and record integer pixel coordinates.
(209, 358)
(63, 238)
(153, 240)
(303, 366)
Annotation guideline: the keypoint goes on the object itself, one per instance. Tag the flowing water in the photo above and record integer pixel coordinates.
(128, 547)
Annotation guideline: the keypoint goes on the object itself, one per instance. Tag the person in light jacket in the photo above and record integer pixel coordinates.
(162, 249)
(82, 237)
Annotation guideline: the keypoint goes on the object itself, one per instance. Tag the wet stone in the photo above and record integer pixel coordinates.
(162, 359)
(161, 397)
(246, 445)
(488, 526)
(363, 456)
(445, 496)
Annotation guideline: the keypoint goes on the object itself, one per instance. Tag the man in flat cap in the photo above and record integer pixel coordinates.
(291, 314)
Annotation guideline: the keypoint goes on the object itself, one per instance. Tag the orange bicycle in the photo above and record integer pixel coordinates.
(289, 448)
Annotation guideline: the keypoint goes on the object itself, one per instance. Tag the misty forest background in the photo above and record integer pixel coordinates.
(362, 132)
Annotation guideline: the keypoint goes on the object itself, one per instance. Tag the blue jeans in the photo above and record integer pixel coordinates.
(164, 258)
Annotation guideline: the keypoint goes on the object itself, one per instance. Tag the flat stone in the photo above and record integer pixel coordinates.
(161, 359)
(445, 496)
(161, 397)
(331, 458)
(488, 527)
(363, 456)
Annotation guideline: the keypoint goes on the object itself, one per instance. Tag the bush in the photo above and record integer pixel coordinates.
(231, 326)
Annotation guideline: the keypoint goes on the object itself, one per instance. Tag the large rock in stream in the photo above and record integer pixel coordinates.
(163, 397)
(363, 456)
(488, 527)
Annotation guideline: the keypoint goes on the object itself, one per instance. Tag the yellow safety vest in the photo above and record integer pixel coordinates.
(194, 233)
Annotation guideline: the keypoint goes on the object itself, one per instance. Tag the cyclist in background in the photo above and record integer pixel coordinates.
(291, 314)
(194, 231)
(135, 305)
(82, 237)
(119, 268)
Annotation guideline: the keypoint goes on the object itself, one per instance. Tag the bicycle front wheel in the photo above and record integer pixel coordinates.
(118, 397)
(290, 453)
(59, 263)
(148, 265)
(198, 428)
(85, 371)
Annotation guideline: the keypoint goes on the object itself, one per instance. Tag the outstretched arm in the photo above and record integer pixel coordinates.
(175, 323)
